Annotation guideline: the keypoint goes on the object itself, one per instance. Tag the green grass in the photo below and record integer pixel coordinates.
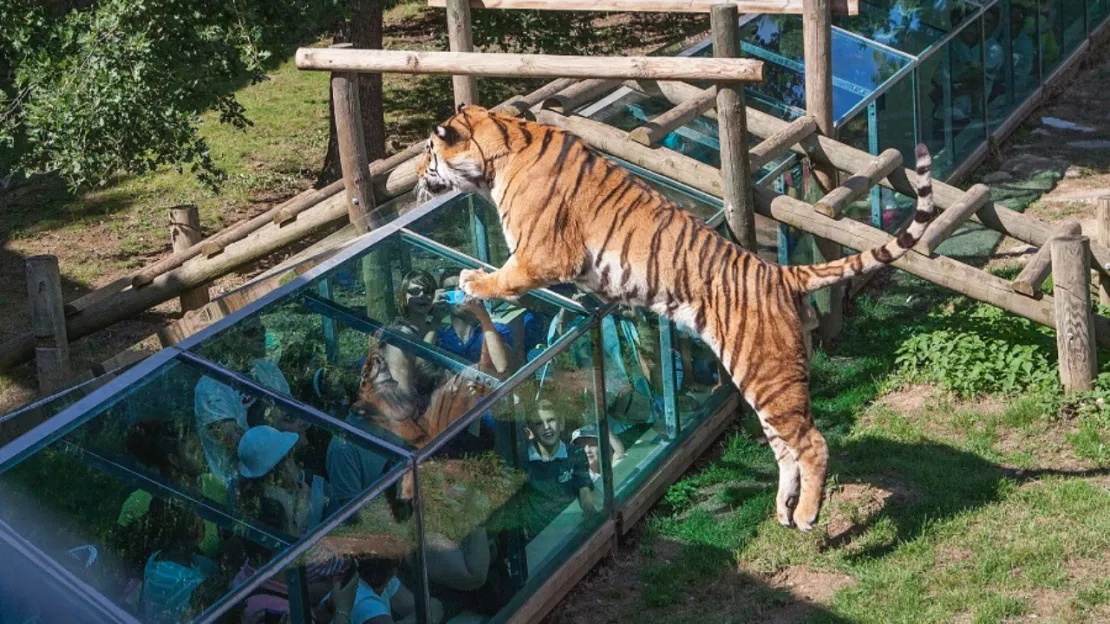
(960, 510)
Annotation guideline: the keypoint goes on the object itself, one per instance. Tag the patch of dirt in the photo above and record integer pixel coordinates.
(810, 584)
(853, 506)
(614, 592)
(910, 399)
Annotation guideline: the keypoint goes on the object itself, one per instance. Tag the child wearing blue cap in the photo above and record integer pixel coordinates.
(272, 480)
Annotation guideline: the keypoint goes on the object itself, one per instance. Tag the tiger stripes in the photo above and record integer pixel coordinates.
(570, 214)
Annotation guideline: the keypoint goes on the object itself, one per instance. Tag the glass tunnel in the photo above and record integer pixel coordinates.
(234, 476)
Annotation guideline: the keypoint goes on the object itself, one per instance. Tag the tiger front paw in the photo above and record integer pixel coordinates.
(473, 281)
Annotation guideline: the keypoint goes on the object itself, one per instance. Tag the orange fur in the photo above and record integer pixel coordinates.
(569, 214)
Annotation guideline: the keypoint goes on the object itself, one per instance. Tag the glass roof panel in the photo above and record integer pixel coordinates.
(185, 472)
(375, 337)
(907, 25)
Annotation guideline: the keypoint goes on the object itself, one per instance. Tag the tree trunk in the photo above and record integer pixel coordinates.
(364, 30)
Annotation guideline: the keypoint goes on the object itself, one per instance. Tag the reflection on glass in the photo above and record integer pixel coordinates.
(500, 516)
(1050, 24)
(1073, 29)
(174, 489)
(905, 25)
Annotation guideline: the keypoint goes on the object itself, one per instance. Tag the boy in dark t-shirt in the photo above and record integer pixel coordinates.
(558, 474)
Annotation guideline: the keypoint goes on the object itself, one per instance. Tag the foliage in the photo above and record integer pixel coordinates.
(550, 32)
(977, 349)
(118, 86)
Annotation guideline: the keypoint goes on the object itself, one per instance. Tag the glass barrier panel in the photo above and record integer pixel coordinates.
(1096, 12)
(1050, 24)
(501, 515)
(1002, 25)
(895, 121)
(1073, 27)
(375, 355)
(951, 88)
(910, 28)
(22, 420)
(372, 554)
(176, 482)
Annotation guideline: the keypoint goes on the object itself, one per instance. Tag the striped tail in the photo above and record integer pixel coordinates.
(815, 276)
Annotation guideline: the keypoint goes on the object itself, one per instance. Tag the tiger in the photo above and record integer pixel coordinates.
(570, 214)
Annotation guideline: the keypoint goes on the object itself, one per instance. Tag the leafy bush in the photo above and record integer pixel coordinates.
(977, 349)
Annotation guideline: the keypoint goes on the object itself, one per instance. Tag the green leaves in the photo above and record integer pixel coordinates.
(118, 87)
(980, 349)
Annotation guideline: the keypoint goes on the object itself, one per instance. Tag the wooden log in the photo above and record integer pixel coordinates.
(184, 233)
(857, 186)
(840, 7)
(353, 159)
(578, 94)
(733, 132)
(653, 131)
(1102, 235)
(1075, 339)
(48, 323)
(461, 39)
(529, 65)
(780, 142)
(817, 47)
(953, 216)
(1035, 272)
(952, 274)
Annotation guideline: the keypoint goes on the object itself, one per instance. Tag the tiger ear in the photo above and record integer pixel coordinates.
(447, 134)
(461, 107)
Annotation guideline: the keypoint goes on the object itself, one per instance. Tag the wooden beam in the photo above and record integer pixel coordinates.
(184, 233)
(567, 100)
(1075, 339)
(530, 65)
(952, 274)
(857, 186)
(942, 227)
(776, 145)
(732, 128)
(460, 37)
(840, 7)
(1102, 235)
(48, 323)
(653, 131)
(353, 159)
(1035, 272)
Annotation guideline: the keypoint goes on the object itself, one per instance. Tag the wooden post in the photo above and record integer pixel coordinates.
(353, 159)
(461, 39)
(732, 128)
(1102, 235)
(1032, 277)
(1075, 337)
(48, 323)
(817, 46)
(184, 233)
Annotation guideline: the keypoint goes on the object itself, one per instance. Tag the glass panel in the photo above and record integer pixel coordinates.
(499, 518)
(897, 124)
(376, 549)
(28, 594)
(401, 334)
(1073, 27)
(1096, 12)
(904, 25)
(178, 482)
(21, 421)
(952, 89)
(858, 67)
(1011, 33)
(1051, 26)
(468, 224)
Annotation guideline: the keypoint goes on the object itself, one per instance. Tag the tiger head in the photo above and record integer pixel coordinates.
(453, 155)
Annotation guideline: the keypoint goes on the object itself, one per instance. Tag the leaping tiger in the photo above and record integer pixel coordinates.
(570, 214)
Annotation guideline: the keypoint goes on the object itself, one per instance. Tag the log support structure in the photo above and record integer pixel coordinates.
(1075, 338)
(1035, 272)
(461, 39)
(184, 233)
(732, 129)
(1102, 236)
(857, 186)
(48, 323)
